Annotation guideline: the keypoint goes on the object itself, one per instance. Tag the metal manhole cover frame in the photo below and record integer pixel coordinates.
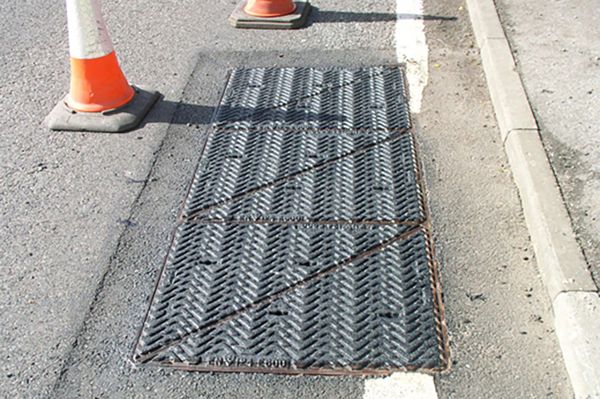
(424, 226)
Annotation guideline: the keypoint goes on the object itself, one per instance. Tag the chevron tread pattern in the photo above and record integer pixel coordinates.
(357, 318)
(307, 177)
(303, 245)
(310, 98)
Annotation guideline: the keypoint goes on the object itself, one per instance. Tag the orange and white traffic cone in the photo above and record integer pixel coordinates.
(269, 8)
(270, 14)
(98, 84)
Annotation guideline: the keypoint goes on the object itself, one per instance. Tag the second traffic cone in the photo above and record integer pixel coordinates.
(97, 81)
(269, 8)
(270, 14)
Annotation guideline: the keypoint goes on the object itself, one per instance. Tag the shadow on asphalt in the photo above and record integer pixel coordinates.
(171, 112)
(177, 113)
(318, 16)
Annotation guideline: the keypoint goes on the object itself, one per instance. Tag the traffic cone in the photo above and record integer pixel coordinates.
(270, 14)
(100, 98)
(269, 8)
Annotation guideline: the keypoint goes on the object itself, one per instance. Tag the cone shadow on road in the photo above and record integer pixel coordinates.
(179, 113)
(326, 16)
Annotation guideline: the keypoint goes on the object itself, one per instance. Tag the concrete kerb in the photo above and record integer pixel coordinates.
(577, 324)
(485, 21)
(559, 257)
(575, 299)
(507, 93)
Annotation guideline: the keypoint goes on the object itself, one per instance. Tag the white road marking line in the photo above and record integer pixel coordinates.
(401, 386)
(411, 48)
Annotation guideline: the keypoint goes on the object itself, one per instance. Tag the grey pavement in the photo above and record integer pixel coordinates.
(557, 48)
(86, 218)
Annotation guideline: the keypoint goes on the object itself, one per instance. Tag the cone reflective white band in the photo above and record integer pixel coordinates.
(88, 36)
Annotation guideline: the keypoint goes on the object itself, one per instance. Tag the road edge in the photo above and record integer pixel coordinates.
(564, 270)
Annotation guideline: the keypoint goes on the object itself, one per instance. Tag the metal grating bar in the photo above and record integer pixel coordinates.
(308, 98)
(320, 177)
(218, 269)
(376, 313)
(304, 245)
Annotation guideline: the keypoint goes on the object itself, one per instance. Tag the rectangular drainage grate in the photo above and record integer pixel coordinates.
(303, 248)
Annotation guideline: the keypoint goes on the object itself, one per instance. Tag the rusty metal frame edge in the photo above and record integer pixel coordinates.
(311, 371)
(275, 296)
(433, 266)
(434, 269)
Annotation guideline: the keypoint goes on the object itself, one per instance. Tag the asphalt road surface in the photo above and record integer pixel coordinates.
(86, 218)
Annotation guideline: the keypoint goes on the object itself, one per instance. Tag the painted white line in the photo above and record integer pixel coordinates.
(411, 48)
(401, 386)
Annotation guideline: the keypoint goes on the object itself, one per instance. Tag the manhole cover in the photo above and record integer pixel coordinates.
(303, 245)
